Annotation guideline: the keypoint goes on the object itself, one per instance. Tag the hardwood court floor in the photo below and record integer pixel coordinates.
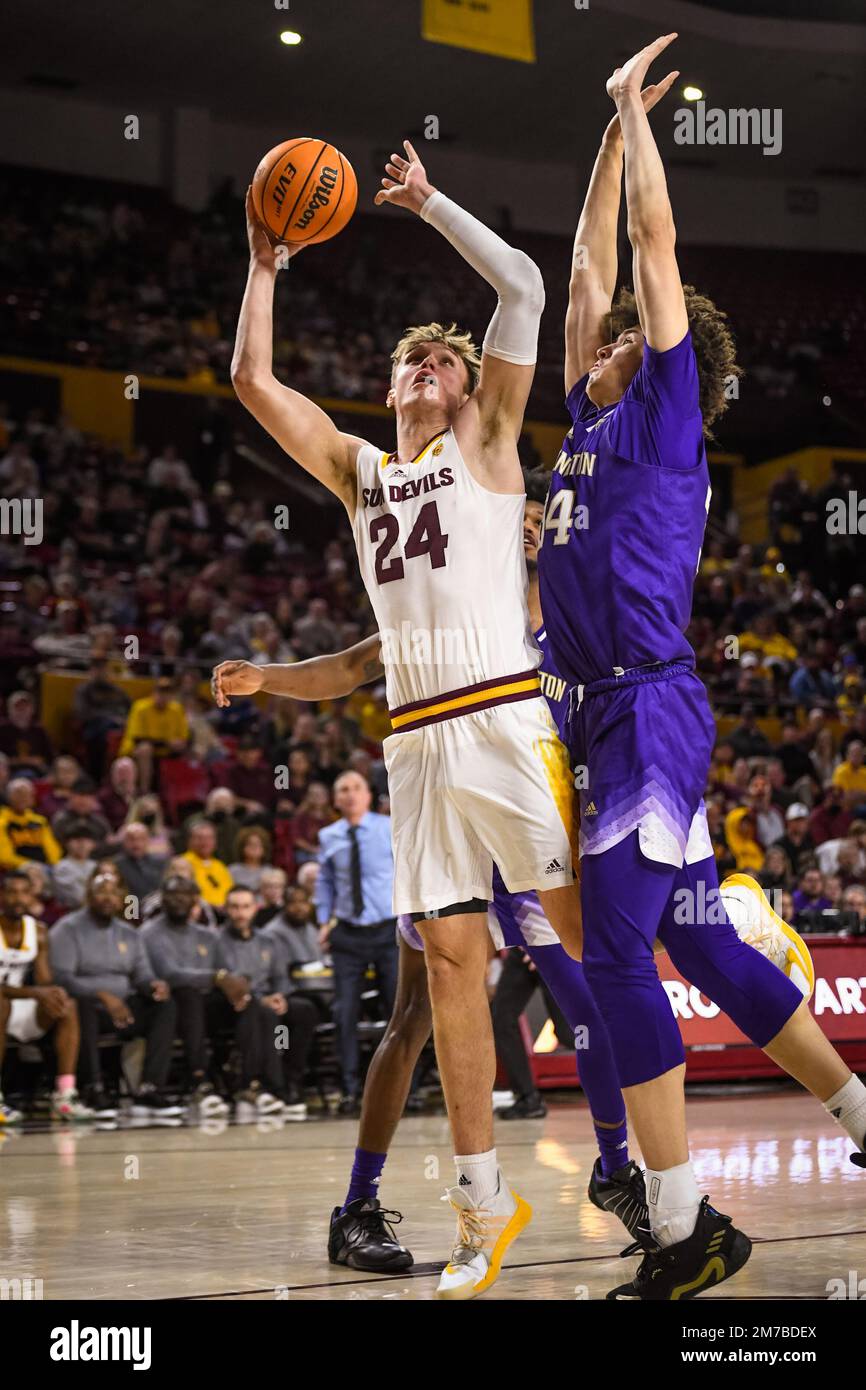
(241, 1213)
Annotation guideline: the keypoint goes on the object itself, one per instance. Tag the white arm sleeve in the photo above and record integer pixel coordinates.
(513, 330)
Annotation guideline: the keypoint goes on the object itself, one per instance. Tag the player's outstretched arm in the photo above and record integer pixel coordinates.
(511, 341)
(594, 260)
(295, 422)
(320, 678)
(658, 288)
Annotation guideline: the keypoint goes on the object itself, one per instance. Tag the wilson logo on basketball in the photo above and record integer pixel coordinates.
(321, 197)
(286, 180)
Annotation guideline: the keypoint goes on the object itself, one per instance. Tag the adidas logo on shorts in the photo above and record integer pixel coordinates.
(591, 810)
(554, 867)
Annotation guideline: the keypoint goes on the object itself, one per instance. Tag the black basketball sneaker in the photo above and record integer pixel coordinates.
(362, 1238)
(623, 1194)
(712, 1253)
(530, 1107)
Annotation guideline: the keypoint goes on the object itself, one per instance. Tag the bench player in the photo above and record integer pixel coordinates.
(476, 771)
(32, 1007)
(623, 529)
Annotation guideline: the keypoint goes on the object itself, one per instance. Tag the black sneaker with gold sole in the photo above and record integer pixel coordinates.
(712, 1253)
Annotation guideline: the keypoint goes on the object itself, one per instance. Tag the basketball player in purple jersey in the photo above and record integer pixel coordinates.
(623, 529)
(360, 1235)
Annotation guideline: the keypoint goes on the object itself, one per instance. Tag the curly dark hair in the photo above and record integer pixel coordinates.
(537, 484)
(713, 341)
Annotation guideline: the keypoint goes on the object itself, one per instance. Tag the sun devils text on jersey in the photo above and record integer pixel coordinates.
(442, 560)
(476, 772)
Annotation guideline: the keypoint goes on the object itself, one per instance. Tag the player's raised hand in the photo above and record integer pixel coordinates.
(650, 96)
(629, 79)
(263, 248)
(235, 678)
(406, 183)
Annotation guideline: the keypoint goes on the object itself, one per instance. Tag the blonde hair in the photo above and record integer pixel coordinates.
(461, 345)
(141, 806)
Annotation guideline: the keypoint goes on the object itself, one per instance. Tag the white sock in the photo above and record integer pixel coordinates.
(477, 1175)
(848, 1108)
(673, 1201)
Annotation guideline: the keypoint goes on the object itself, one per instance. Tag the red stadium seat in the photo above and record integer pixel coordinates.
(182, 784)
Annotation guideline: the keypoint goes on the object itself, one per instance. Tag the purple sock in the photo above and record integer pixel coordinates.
(566, 981)
(366, 1172)
(612, 1146)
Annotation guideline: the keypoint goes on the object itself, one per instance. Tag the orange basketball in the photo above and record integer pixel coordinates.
(304, 191)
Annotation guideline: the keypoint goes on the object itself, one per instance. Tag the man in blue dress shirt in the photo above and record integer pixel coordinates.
(354, 906)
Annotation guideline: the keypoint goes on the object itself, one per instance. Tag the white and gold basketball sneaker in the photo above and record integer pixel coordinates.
(483, 1235)
(756, 923)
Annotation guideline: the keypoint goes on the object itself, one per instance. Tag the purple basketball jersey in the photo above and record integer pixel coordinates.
(623, 528)
(553, 687)
(624, 523)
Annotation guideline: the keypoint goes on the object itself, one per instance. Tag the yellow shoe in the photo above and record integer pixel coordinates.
(483, 1236)
(755, 922)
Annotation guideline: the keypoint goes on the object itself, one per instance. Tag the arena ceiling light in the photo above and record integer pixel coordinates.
(290, 37)
(692, 93)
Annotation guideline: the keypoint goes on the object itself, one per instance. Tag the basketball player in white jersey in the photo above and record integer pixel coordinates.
(30, 1010)
(476, 771)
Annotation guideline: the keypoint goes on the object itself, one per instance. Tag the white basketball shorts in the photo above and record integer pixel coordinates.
(491, 786)
(22, 1024)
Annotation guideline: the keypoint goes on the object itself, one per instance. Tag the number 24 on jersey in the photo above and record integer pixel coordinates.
(425, 538)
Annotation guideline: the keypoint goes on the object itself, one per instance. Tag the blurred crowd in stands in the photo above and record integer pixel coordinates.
(120, 278)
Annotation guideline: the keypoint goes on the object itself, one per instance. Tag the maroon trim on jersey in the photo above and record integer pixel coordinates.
(464, 690)
(420, 722)
(394, 458)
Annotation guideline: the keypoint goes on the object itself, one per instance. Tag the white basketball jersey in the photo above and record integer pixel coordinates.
(14, 964)
(442, 561)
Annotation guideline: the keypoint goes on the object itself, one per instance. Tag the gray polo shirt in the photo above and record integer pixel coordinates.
(256, 958)
(185, 956)
(88, 958)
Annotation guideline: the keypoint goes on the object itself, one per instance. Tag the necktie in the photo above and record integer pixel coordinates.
(357, 893)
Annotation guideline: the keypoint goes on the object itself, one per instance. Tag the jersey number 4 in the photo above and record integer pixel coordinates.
(425, 538)
(561, 513)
